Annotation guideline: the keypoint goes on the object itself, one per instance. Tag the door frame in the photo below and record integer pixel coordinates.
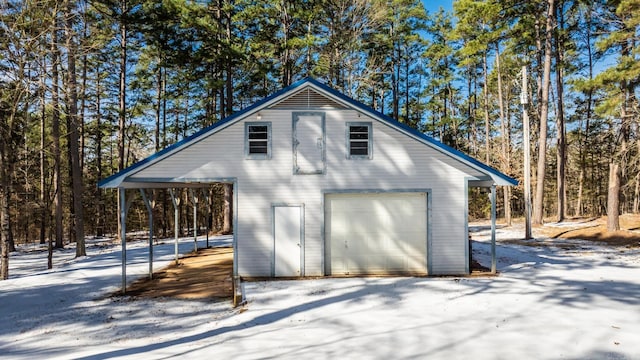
(326, 248)
(273, 234)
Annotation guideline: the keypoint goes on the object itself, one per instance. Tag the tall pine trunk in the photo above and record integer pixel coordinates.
(487, 126)
(636, 194)
(74, 151)
(585, 137)
(504, 142)
(122, 96)
(44, 199)
(613, 198)
(538, 209)
(561, 153)
(100, 210)
(55, 134)
(227, 227)
(5, 230)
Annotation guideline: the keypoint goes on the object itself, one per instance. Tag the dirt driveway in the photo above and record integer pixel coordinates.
(203, 275)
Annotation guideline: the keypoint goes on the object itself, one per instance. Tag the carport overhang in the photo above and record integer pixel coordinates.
(489, 182)
(124, 183)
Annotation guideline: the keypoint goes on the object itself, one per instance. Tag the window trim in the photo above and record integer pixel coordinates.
(369, 154)
(250, 156)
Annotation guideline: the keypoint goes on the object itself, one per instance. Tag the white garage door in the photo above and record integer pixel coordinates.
(376, 233)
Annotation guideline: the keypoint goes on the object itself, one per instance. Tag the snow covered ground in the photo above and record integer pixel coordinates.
(547, 303)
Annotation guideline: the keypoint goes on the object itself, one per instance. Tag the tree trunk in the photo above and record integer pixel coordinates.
(4, 239)
(55, 134)
(158, 107)
(228, 67)
(487, 126)
(613, 198)
(44, 203)
(578, 208)
(100, 211)
(561, 154)
(407, 114)
(227, 227)
(504, 141)
(122, 98)
(74, 151)
(636, 196)
(83, 89)
(538, 209)
(585, 137)
(4, 213)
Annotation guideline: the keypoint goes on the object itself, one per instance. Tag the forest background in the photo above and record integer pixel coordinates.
(88, 88)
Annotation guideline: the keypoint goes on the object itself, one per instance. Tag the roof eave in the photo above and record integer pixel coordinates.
(498, 177)
(116, 180)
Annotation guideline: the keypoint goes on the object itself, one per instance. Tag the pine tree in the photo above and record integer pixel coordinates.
(620, 82)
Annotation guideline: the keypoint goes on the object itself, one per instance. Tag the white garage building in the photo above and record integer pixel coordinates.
(324, 185)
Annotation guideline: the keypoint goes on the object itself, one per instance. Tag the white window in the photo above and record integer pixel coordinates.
(258, 140)
(359, 140)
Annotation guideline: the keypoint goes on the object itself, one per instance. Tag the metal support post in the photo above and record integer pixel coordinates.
(123, 237)
(194, 200)
(176, 203)
(149, 203)
(205, 194)
(493, 229)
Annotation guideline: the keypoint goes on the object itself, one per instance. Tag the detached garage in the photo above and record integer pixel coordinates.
(325, 185)
(376, 233)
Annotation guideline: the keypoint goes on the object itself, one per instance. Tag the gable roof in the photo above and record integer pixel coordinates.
(335, 99)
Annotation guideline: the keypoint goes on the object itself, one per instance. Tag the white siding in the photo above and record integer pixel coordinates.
(399, 162)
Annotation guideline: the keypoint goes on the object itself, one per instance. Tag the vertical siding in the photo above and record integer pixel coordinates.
(398, 162)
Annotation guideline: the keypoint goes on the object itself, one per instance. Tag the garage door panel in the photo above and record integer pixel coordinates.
(381, 233)
(396, 263)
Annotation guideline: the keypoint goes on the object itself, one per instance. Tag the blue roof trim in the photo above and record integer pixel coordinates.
(332, 92)
(199, 133)
(415, 132)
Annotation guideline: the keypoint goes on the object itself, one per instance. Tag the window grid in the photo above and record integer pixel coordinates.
(359, 140)
(258, 140)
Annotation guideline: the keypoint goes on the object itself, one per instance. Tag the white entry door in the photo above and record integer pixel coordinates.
(308, 141)
(288, 235)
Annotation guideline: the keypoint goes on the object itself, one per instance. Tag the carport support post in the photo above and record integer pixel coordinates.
(205, 194)
(147, 203)
(176, 203)
(493, 229)
(123, 237)
(194, 200)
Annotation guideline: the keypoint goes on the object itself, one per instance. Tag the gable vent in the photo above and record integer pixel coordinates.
(307, 99)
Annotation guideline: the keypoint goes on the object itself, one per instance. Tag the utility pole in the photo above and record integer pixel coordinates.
(527, 155)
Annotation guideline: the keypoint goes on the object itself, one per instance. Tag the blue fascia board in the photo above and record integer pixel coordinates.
(356, 104)
(129, 170)
(416, 133)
